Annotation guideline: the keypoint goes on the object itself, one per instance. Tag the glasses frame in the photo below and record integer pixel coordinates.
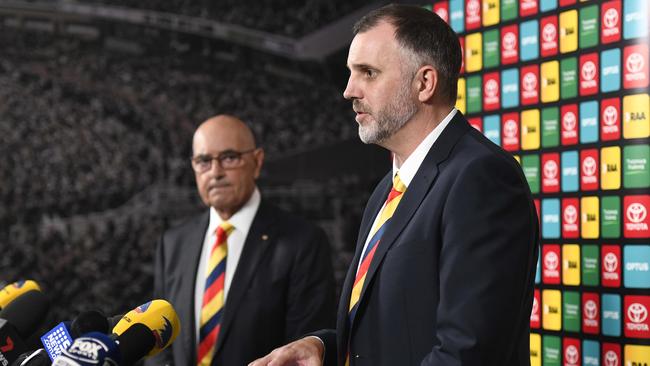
(220, 158)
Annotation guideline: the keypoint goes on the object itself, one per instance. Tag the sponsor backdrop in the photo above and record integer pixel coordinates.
(563, 85)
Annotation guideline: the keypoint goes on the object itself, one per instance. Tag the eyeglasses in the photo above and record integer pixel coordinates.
(229, 159)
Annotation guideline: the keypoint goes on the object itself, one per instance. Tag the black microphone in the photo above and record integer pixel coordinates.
(35, 358)
(18, 320)
(59, 338)
(135, 343)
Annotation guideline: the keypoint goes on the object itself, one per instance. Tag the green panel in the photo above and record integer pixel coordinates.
(571, 311)
(491, 48)
(474, 101)
(530, 165)
(636, 173)
(610, 217)
(508, 9)
(550, 127)
(588, 26)
(551, 351)
(590, 265)
(569, 78)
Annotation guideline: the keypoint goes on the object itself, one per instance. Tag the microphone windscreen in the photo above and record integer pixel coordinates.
(26, 312)
(89, 321)
(157, 315)
(135, 343)
(10, 292)
(35, 358)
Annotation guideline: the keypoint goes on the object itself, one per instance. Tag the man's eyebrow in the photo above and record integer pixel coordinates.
(361, 67)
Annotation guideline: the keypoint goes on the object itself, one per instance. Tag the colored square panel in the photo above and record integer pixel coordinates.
(636, 109)
(589, 122)
(611, 353)
(538, 271)
(551, 173)
(442, 10)
(572, 351)
(590, 353)
(571, 311)
(567, 2)
(491, 48)
(610, 119)
(637, 266)
(546, 5)
(569, 78)
(536, 311)
(636, 322)
(571, 264)
(569, 118)
(550, 218)
(509, 88)
(610, 174)
(636, 172)
(590, 265)
(461, 96)
(474, 100)
(549, 39)
(528, 7)
(492, 128)
(530, 165)
(588, 33)
(530, 125)
(611, 265)
(589, 223)
(610, 217)
(551, 351)
(551, 264)
(611, 20)
(611, 315)
(529, 40)
(509, 44)
(589, 74)
(535, 350)
(570, 178)
(491, 91)
(551, 310)
(510, 131)
(570, 218)
(550, 74)
(635, 19)
(568, 31)
(508, 9)
(610, 70)
(591, 313)
(635, 59)
(550, 127)
(529, 85)
(461, 41)
(490, 12)
(637, 355)
(473, 52)
(472, 14)
(457, 15)
(589, 169)
(477, 123)
(635, 216)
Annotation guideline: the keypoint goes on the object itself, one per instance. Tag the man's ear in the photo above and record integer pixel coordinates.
(258, 154)
(427, 82)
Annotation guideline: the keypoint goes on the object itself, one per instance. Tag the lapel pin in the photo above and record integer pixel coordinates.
(265, 237)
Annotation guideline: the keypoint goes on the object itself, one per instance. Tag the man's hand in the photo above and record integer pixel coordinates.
(303, 352)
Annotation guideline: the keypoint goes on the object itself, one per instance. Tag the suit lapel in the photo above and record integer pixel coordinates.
(192, 246)
(415, 193)
(257, 243)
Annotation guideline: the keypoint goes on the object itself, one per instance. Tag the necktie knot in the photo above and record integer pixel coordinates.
(224, 229)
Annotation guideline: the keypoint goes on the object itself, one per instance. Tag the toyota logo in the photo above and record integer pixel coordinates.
(571, 355)
(610, 262)
(530, 81)
(634, 62)
(611, 18)
(550, 169)
(473, 7)
(610, 115)
(637, 313)
(636, 213)
(535, 307)
(551, 261)
(589, 166)
(569, 121)
(510, 128)
(588, 70)
(491, 88)
(591, 309)
(509, 41)
(442, 13)
(570, 214)
(549, 32)
(611, 359)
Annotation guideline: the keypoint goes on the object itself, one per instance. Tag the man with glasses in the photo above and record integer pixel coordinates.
(244, 276)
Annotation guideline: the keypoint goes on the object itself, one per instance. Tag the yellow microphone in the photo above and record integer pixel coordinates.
(157, 315)
(10, 292)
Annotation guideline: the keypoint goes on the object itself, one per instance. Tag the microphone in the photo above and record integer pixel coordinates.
(157, 315)
(35, 358)
(10, 292)
(91, 349)
(63, 334)
(18, 320)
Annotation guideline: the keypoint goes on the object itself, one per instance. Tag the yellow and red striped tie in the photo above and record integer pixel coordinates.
(213, 296)
(376, 233)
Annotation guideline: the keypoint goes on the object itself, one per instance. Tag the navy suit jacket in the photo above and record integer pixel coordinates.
(451, 282)
(283, 287)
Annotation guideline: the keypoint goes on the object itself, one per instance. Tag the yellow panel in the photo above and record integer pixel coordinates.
(530, 135)
(550, 75)
(571, 264)
(552, 309)
(535, 350)
(610, 167)
(568, 31)
(518, 158)
(589, 217)
(473, 52)
(635, 116)
(637, 355)
(461, 97)
(490, 12)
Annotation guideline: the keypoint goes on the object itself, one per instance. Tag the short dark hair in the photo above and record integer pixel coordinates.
(424, 33)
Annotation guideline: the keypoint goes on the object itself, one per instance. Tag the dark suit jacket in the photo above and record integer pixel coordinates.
(451, 282)
(283, 287)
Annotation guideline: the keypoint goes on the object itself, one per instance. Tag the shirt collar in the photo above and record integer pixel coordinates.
(412, 163)
(242, 219)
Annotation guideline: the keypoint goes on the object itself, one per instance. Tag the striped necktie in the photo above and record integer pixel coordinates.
(377, 231)
(213, 296)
